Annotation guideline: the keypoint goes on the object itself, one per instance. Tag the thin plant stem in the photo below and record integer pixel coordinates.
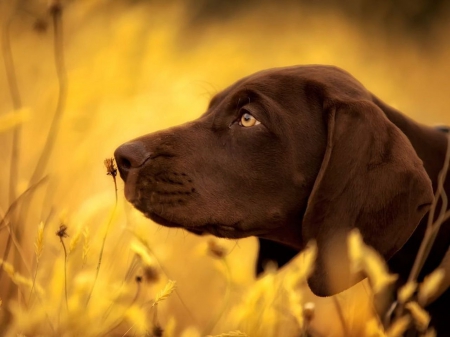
(58, 42)
(121, 319)
(13, 86)
(56, 12)
(101, 254)
(130, 269)
(4, 221)
(65, 270)
(164, 271)
(211, 325)
(432, 227)
(11, 76)
(113, 213)
(34, 281)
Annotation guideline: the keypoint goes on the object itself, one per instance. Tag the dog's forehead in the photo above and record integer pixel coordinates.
(333, 81)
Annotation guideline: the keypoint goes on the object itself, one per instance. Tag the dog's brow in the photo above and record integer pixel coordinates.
(237, 105)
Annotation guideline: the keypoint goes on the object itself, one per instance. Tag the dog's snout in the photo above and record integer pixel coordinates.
(130, 155)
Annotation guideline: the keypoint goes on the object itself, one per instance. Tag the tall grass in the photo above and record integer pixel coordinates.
(120, 71)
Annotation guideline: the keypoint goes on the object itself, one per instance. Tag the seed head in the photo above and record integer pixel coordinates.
(62, 231)
(110, 167)
(39, 244)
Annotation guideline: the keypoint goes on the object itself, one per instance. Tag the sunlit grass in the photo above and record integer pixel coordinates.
(135, 69)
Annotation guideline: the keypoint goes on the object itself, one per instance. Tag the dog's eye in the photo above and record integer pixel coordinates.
(248, 120)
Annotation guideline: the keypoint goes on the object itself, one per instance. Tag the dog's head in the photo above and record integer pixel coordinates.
(290, 155)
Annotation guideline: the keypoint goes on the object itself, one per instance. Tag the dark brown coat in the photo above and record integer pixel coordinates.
(324, 156)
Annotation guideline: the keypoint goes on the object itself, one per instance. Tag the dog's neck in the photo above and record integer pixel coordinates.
(431, 146)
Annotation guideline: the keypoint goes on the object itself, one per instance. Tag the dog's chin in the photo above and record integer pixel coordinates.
(218, 230)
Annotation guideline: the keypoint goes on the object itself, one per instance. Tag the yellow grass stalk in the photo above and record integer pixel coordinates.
(366, 259)
(430, 286)
(138, 318)
(13, 119)
(373, 328)
(38, 248)
(15, 276)
(398, 327)
(140, 250)
(421, 317)
(39, 244)
(165, 293)
(86, 248)
(112, 171)
(406, 292)
(74, 241)
(62, 233)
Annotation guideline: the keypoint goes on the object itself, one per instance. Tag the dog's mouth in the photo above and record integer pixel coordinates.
(216, 229)
(170, 202)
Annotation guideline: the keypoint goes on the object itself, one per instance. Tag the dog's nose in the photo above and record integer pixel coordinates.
(130, 155)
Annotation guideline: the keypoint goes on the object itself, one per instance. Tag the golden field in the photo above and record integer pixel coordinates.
(134, 67)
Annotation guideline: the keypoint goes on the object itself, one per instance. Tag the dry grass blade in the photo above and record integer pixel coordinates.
(5, 220)
(430, 285)
(398, 328)
(406, 292)
(445, 283)
(62, 233)
(39, 247)
(366, 259)
(86, 247)
(39, 244)
(421, 317)
(13, 119)
(165, 293)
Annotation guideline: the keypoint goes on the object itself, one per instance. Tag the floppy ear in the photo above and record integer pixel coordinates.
(371, 179)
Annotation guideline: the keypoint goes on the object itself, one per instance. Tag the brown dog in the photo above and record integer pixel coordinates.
(294, 154)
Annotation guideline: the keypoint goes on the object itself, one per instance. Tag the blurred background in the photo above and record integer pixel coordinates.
(136, 66)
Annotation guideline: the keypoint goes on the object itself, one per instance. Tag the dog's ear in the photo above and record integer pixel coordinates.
(371, 179)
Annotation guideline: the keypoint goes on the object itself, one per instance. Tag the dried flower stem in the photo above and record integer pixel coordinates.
(112, 171)
(61, 233)
(109, 163)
